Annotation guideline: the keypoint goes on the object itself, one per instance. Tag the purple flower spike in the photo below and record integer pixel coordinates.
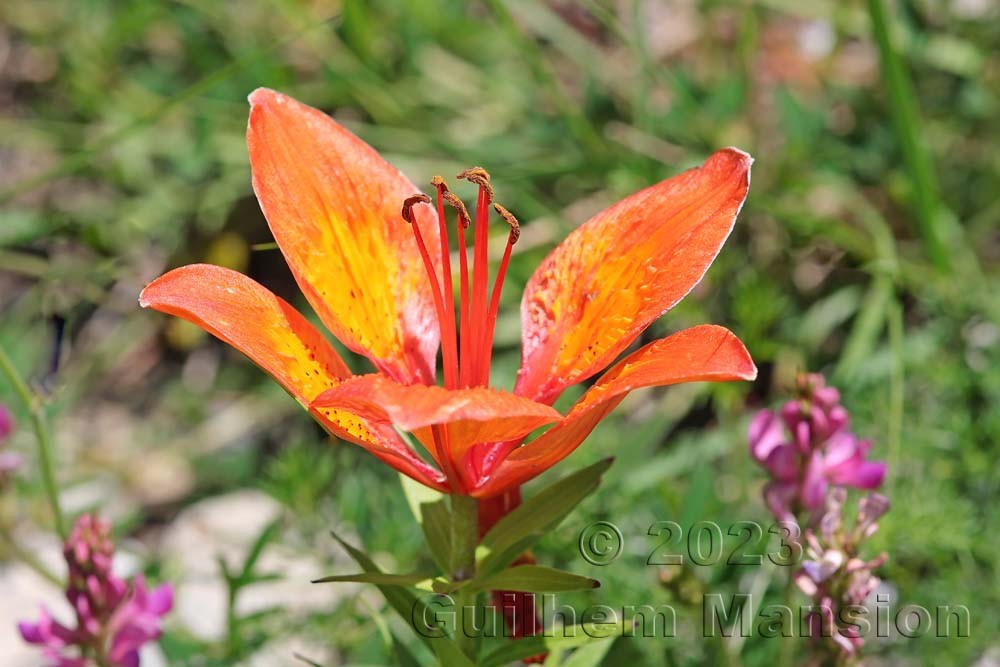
(138, 621)
(834, 575)
(812, 458)
(114, 617)
(806, 448)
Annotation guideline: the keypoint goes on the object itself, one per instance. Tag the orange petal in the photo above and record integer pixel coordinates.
(472, 415)
(333, 205)
(275, 336)
(385, 444)
(248, 316)
(705, 353)
(596, 292)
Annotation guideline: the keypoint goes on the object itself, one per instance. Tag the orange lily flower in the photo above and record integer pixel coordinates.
(381, 282)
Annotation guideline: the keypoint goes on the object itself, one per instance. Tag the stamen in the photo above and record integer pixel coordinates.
(407, 214)
(491, 319)
(449, 335)
(458, 205)
(515, 226)
(480, 177)
(410, 202)
(478, 312)
(463, 304)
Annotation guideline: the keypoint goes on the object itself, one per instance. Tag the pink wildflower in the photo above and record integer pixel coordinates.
(114, 618)
(806, 448)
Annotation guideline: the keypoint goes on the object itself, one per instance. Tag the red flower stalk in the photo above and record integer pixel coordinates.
(381, 281)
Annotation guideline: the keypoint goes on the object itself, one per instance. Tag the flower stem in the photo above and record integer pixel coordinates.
(464, 538)
(36, 408)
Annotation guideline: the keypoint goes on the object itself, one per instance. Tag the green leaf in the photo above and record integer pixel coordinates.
(430, 509)
(536, 516)
(227, 573)
(262, 578)
(514, 651)
(376, 578)
(437, 531)
(443, 586)
(590, 655)
(409, 607)
(866, 330)
(925, 202)
(404, 657)
(448, 653)
(533, 579)
(569, 637)
(268, 534)
(303, 659)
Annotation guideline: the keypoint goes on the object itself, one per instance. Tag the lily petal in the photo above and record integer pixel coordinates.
(267, 329)
(472, 415)
(699, 354)
(333, 205)
(622, 269)
(245, 314)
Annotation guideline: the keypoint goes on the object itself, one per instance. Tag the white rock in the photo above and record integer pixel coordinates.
(24, 592)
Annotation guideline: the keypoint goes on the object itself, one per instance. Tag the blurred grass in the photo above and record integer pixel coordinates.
(867, 249)
(926, 208)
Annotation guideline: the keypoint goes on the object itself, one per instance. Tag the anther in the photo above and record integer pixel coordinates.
(439, 182)
(515, 227)
(410, 202)
(456, 203)
(480, 177)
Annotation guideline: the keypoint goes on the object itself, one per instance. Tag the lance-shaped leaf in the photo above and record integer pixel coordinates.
(410, 608)
(569, 637)
(516, 532)
(430, 509)
(437, 532)
(377, 578)
(533, 579)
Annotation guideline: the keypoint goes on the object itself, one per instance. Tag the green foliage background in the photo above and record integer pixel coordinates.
(868, 249)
